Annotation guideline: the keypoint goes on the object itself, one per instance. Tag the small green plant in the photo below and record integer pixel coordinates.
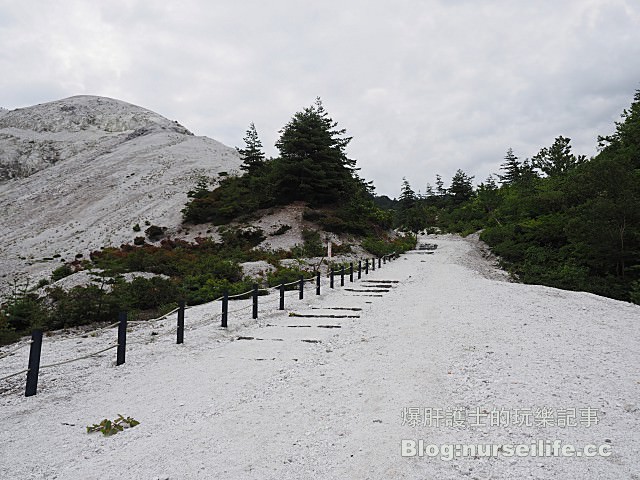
(136, 227)
(61, 272)
(108, 427)
(154, 232)
(282, 229)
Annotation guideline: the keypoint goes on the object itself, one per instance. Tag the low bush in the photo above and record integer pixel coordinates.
(286, 275)
(61, 272)
(380, 246)
(282, 230)
(154, 233)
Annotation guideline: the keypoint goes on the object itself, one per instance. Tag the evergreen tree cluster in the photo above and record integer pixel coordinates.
(558, 219)
(312, 167)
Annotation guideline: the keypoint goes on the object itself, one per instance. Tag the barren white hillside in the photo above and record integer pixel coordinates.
(77, 174)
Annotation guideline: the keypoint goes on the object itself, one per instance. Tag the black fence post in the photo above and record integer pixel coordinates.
(384, 259)
(359, 269)
(351, 272)
(331, 278)
(34, 363)
(180, 332)
(225, 309)
(255, 301)
(301, 287)
(282, 296)
(379, 264)
(373, 264)
(318, 282)
(122, 338)
(342, 276)
(366, 267)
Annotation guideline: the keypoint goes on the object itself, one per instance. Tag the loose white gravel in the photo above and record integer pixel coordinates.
(452, 333)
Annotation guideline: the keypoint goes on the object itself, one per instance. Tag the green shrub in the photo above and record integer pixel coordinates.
(286, 275)
(313, 246)
(198, 289)
(154, 233)
(242, 237)
(7, 333)
(61, 272)
(312, 215)
(282, 230)
(342, 249)
(380, 246)
(145, 293)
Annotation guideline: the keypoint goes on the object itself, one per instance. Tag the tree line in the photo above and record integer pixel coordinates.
(557, 219)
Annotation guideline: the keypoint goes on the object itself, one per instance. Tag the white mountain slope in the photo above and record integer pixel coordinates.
(77, 174)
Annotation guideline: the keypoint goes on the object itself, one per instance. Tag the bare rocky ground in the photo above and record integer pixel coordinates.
(286, 397)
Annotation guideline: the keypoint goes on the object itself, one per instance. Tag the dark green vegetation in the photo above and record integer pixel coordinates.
(558, 219)
(313, 168)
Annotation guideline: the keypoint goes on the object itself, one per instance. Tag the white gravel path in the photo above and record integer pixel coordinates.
(451, 333)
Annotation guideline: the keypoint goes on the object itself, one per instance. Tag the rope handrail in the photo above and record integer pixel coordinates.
(14, 374)
(78, 358)
(92, 332)
(239, 309)
(240, 294)
(11, 352)
(64, 362)
(269, 302)
(302, 281)
(134, 322)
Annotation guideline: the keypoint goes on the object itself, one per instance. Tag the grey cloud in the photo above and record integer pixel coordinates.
(424, 87)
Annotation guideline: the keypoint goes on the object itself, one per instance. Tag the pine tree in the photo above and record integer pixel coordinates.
(627, 137)
(313, 165)
(407, 197)
(461, 187)
(557, 159)
(429, 191)
(512, 169)
(440, 190)
(252, 155)
(488, 196)
(410, 215)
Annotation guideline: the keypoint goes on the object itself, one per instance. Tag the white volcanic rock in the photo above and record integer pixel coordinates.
(77, 174)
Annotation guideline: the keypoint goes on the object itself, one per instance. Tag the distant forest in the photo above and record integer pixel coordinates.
(557, 219)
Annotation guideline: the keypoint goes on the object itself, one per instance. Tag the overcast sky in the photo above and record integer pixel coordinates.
(423, 86)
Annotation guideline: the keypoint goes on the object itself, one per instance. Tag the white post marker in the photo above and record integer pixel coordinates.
(329, 249)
